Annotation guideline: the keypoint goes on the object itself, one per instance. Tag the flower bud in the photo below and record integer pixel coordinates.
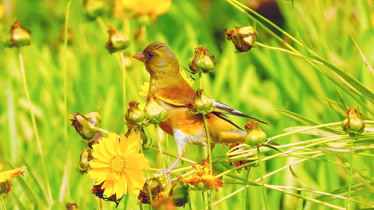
(154, 112)
(86, 125)
(244, 38)
(5, 187)
(134, 114)
(84, 162)
(202, 104)
(179, 193)
(202, 61)
(72, 206)
(117, 40)
(255, 135)
(94, 8)
(354, 124)
(18, 36)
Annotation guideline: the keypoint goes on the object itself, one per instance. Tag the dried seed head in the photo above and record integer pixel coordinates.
(244, 38)
(353, 124)
(202, 104)
(255, 135)
(116, 40)
(19, 36)
(154, 112)
(86, 125)
(202, 61)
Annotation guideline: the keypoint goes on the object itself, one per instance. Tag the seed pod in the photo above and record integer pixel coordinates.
(244, 38)
(179, 193)
(202, 61)
(116, 40)
(154, 112)
(353, 124)
(94, 8)
(202, 104)
(19, 36)
(134, 114)
(255, 135)
(84, 161)
(86, 125)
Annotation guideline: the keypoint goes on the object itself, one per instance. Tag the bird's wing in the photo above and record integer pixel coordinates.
(223, 108)
(223, 117)
(176, 96)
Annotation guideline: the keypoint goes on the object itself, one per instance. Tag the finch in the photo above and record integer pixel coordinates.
(171, 91)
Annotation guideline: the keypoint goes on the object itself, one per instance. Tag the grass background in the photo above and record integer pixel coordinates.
(259, 83)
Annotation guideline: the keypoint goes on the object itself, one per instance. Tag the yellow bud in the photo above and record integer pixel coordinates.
(244, 38)
(202, 104)
(84, 162)
(255, 135)
(117, 40)
(18, 36)
(86, 125)
(154, 112)
(353, 124)
(202, 61)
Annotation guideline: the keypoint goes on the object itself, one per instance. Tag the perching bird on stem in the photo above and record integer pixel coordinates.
(171, 91)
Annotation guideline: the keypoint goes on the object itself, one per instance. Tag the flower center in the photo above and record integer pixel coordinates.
(118, 164)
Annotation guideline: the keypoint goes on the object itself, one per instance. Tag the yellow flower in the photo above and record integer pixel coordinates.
(117, 165)
(145, 87)
(6, 176)
(202, 179)
(150, 8)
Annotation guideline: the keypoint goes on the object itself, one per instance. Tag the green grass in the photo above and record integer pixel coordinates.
(302, 92)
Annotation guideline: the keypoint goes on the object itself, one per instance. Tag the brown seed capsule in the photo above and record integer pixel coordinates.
(86, 125)
(18, 35)
(353, 124)
(244, 38)
(202, 104)
(116, 40)
(202, 61)
(255, 135)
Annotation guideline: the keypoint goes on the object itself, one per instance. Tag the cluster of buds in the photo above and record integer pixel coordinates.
(116, 40)
(244, 38)
(173, 194)
(84, 161)
(255, 136)
(152, 113)
(19, 36)
(202, 104)
(353, 124)
(202, 61)
(86, 125)
(202, 179)
(94, 8)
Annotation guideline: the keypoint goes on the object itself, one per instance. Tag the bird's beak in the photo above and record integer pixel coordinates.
(139, 56)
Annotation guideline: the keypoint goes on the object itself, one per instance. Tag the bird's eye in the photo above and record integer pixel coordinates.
(150, 54)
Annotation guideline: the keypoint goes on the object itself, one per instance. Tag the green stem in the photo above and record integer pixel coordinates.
(124, 94)
(64, 69)
(260, 165)
(246, 200)
(34, 126)
(161, 153)
(350, 174)
(2, 203)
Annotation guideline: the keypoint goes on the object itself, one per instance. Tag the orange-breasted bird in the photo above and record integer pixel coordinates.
(172, 92)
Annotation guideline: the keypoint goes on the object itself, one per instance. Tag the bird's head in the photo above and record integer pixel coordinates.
(158, 58)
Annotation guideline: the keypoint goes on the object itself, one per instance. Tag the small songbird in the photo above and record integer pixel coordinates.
(171, 91)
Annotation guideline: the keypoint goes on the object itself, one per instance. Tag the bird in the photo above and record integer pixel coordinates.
(171, 91)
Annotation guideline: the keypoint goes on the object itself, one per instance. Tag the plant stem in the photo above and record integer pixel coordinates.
(350, 174)
(260, 165)
(124, 95)
(34, 126)
(161, 153)
(64, 69)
